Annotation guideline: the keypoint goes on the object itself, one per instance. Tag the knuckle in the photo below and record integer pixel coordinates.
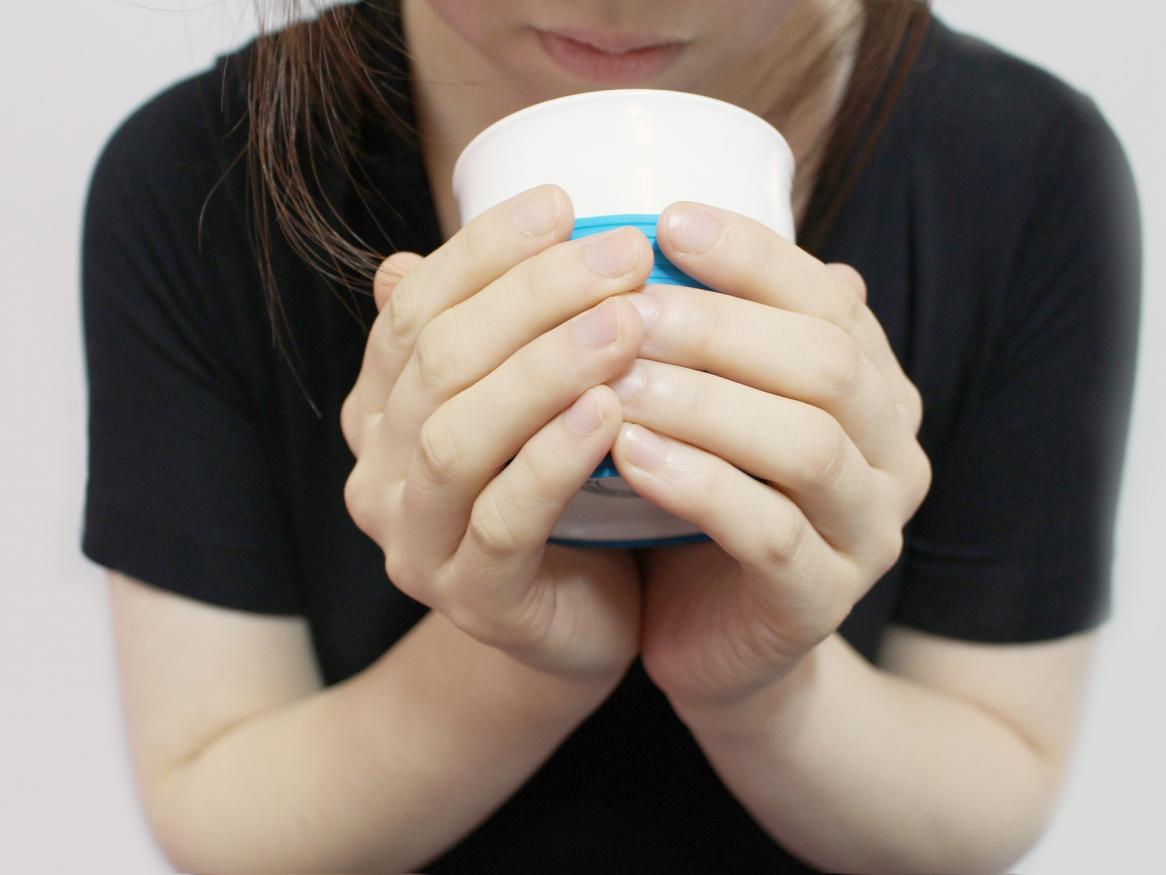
(467, 253)
(824, 450)
(397, 576)
(893, 548)
(549, 270)
(530, 472)
(385, 345)
(400, 311)
(530, 369)
(523, 283)
(842, 365)
(429, 360)
(359, 501)
(762, 255)
(543, 268)
(715, 499)
(885, 549)
(403, 574)
(850, 280)
(783, 542)
(914, 407)
(389, 274)
(349, 423)
(708, 323)
(700, 392)
(849, 311)
(922, 478)
(438, 452)
(490, 531)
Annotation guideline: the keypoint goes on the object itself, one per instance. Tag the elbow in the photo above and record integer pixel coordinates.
(1020, 820)
(200, 825)
(980, 834)
(177, 852)
(1038, 823)
(184, 813)
(164, 798)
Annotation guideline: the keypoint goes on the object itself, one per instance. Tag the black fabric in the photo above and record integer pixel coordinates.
(998, 232)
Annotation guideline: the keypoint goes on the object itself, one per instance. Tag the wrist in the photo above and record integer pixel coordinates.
(460, 669)
(778, 708)
(555, 697)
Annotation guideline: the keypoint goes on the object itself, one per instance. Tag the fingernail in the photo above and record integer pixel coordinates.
(598, 327)
(538, 212)
(645, 449)
(646, 304)
(585, 415)
(629, 383)
(612, 254)
(692, 229)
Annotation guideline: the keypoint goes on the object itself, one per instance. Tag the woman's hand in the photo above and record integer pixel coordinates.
(785, 428)
(480, 410)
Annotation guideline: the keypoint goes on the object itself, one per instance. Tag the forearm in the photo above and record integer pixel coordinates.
(380, 773)
(857, 770)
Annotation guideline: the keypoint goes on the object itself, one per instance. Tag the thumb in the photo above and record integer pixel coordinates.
(392, 270)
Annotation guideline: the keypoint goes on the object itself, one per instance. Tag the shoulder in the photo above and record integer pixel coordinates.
(1009, 159)
(962, 66)
(166, 251)
(174, 147)
(1002, 123)
(166, 211)
(182, 244)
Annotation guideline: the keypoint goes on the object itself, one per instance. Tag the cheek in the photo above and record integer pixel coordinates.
(472, 20)
(757, 20)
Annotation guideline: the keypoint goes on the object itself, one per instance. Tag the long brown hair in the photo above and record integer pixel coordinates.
(312, 85)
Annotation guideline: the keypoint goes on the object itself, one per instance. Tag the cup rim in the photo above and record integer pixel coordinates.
(666, 93)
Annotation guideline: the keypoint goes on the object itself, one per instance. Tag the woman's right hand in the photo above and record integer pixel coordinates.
(474, 361)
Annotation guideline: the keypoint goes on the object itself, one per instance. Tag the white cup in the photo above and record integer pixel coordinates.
(622, 156)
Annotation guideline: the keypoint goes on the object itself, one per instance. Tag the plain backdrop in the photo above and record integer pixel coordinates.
(70, 70)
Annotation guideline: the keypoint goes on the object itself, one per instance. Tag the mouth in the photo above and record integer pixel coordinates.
(614, 43)
(610, 58)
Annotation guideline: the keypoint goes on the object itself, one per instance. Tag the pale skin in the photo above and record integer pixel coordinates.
(945, 756)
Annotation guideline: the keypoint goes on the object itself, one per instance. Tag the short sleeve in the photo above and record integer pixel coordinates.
(1014, 541)
(181, 491)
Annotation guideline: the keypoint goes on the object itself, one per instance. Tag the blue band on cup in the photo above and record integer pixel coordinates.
(664, 272)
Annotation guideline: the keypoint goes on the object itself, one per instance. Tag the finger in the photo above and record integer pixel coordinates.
(392, 270)
(512, 518)
(757, 525)
(469, 438)
(910, 402)
(740, 256)
(471, 259)
(465, 343)
(782, 353)
(850, 276)
(799, 448)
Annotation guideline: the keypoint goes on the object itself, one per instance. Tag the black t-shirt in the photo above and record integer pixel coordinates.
(996, 227)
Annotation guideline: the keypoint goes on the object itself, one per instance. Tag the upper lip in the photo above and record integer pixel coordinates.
(613, 42)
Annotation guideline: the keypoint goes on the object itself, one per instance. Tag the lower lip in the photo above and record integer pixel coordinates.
(587, 62)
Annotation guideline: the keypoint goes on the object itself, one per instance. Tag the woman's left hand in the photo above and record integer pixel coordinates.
(786, 430)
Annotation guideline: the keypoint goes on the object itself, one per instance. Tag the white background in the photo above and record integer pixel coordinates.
(70, 70)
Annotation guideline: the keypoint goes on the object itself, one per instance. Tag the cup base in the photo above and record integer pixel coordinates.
(607, 512)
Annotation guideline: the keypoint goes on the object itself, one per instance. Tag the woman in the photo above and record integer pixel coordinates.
(344, 642)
